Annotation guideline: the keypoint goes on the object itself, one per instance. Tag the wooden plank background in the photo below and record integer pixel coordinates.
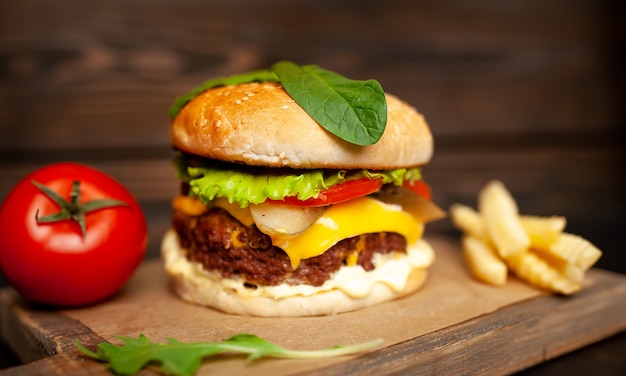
(529, 92)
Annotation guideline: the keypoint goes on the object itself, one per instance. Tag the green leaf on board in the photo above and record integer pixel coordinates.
(178, 358)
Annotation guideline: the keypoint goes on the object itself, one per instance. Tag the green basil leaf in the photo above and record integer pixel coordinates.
(244, 78)
(354, 110)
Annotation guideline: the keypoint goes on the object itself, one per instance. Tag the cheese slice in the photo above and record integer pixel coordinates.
(355, 217)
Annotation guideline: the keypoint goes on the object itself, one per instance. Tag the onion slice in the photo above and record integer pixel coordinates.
(283, 221)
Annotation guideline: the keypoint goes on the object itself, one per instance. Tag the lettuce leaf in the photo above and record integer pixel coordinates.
(245, 186)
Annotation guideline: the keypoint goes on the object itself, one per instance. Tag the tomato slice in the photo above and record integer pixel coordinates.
(337, 193)
(420, 188)
(353, 189)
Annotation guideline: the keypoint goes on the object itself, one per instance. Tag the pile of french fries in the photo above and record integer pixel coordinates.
(497, 239)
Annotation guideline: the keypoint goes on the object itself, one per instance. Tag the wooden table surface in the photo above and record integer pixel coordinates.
(529, 92)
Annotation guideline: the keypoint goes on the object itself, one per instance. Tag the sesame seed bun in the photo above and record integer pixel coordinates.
(259, 124)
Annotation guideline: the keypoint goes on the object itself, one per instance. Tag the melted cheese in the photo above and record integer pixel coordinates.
(341, 221)
(242, 214)
(188, 205)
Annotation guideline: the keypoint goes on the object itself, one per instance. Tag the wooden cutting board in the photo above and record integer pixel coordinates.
(453, 325)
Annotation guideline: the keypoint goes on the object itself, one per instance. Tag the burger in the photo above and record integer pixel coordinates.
(301, 194)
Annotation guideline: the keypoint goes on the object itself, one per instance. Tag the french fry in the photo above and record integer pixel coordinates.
(500, 214)
(575, 250)
(483, 262)
(469, 222)
(568, 270)
(530, 267)
(542, 231)
(497, 239)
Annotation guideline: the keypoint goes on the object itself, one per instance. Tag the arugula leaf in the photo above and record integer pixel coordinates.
(353, 110)
(244, 78)
(184, 359)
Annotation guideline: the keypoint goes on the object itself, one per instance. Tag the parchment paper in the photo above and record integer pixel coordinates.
(450, 296)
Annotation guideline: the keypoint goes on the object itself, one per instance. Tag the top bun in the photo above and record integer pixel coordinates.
(259, 124)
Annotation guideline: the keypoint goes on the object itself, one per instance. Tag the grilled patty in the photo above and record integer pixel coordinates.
(220, 242)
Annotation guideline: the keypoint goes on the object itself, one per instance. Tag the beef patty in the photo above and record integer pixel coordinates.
(220, 242)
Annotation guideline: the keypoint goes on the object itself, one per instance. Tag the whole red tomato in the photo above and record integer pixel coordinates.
(48, 257)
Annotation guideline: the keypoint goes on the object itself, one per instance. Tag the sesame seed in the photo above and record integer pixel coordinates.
(238, 101)
(284, 107)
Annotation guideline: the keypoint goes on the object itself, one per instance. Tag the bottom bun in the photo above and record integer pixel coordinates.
(396, 275)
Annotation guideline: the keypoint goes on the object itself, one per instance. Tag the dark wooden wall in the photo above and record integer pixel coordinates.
(527, 91)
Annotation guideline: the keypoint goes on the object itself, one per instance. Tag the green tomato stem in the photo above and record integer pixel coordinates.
(73, 209)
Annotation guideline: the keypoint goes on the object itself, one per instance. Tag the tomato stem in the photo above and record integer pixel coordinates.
(73, 209)
(74, 204)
